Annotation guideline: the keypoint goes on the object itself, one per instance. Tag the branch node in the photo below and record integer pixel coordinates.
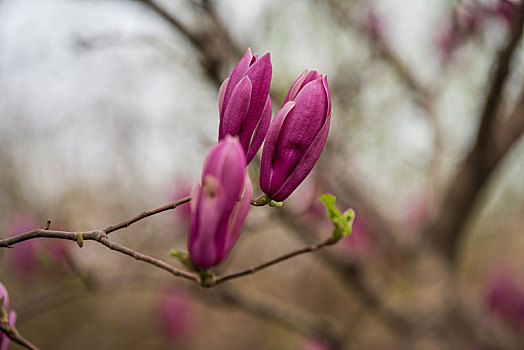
(99, 235)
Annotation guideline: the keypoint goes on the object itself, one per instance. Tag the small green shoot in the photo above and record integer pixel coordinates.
(341, 222)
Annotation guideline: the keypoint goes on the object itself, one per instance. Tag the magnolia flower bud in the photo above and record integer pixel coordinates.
(296, 136)
(244, 103)
(219, 206)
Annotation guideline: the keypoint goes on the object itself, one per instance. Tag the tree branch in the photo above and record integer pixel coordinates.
(100, 236)
(422, 96)
(494, 138)
(144, 215)
(229, 297)
(213, 43)
(13, 334)
(352, 276)
(271, 312)
(308, 249)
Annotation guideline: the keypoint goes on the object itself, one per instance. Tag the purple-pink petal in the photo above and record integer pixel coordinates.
(296, 136)
(239, 214)
(221, 94)
(304, 78)
(235, 77)
(266, 165)
(260, 131)
(243, 109)
(216, 203)
(298, 131)
(306, 164)
(236, 110)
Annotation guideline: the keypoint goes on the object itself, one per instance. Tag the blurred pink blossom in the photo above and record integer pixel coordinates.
(463, 24)
(176, 314)
(506, 10)
(28, 256)
(24, 254)
(505, 298)
(314, 344)
(374, 24)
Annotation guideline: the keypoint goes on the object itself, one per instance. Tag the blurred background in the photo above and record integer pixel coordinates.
(107, 108)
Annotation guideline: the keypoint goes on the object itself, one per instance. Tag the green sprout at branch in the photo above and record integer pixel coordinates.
(341, 222)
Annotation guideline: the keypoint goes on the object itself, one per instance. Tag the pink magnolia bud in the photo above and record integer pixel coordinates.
(220, 205)
(296, 136)
(244, 103)
(4, 340)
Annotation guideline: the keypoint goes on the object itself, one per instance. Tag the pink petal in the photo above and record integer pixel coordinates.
(305, 165)
(298, 131)
(221, 93)
(236, 110)
(268, 151)
(260, 75)
(237, 74)
(260, 131)
(239, 215)
(201, 247)
(297, 84)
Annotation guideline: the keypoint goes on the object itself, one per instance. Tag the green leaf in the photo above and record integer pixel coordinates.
(184, 259)
(329, 201)
(341, 222)
(347, 219)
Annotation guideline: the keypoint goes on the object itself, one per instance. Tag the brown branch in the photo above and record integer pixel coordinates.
(351, 275)
(276, 313)
(494, 138)
(308, 249)
(13, 334)
(213, 42)
(145, 214)
(101, 237)
(68, 292)
(422, 95)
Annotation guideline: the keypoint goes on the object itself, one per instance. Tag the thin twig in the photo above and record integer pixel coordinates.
(68, 292)
(254, 269)
(101, 237)
(13, 334)
(145, 214)
(318, 329)
(351, 273)
(213, 42)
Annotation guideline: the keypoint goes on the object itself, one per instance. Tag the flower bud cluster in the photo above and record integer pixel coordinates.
(293, 143)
